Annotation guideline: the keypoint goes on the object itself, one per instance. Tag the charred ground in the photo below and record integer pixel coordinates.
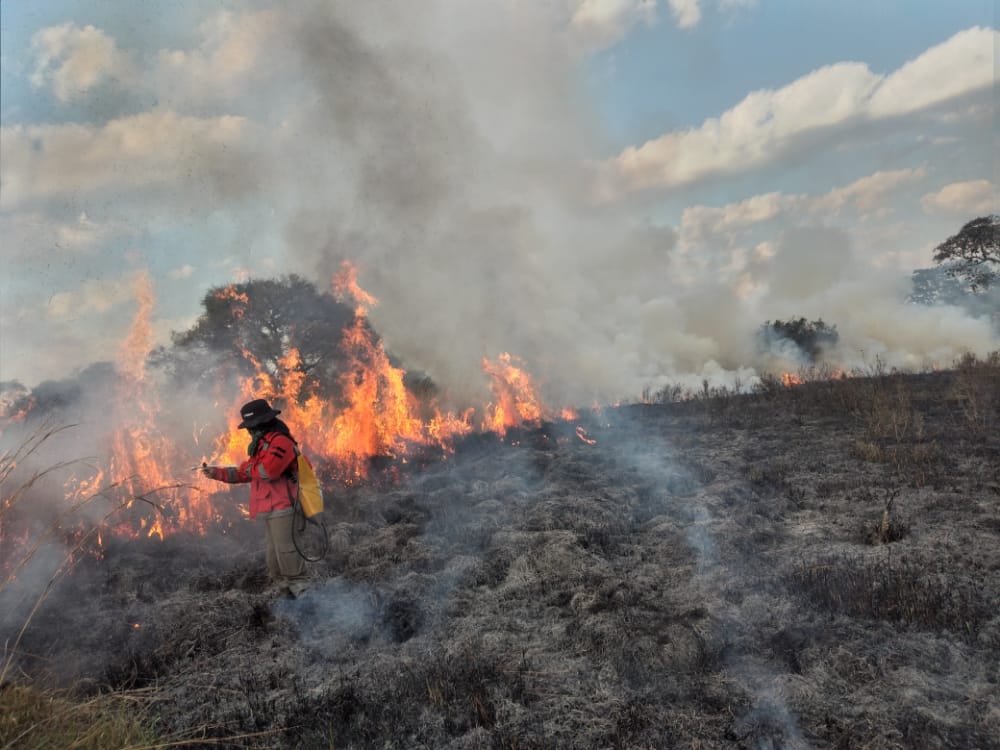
(815, 566)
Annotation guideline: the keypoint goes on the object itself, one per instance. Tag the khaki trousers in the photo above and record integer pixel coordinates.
(284, 563)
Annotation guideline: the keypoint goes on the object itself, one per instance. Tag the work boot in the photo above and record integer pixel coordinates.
(296, 589)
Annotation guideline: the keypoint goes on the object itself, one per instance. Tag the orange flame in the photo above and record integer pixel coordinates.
(789, 379)
(345, 284)
(517, 400)
(133, 351)
(238, 300)
(374, 415)
(378, 416)
(140, 458)
(156, 529)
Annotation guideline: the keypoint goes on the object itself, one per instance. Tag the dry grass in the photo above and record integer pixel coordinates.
(721, 572)
(896, 590)
(34, 719)
(66, 525)
(887, 412)
(977, 389)
(867, 451)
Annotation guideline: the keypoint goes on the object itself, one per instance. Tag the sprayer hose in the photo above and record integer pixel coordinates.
(299, 524)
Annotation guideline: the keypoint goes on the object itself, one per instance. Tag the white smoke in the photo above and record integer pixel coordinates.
(452, 167)
(451, 150)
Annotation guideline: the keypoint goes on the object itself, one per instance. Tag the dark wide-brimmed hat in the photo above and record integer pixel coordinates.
(257, 412)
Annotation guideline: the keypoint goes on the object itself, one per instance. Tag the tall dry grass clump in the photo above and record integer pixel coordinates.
(903, 590)
(67, 527)
(977, 390)
(33, 719)
(30, 716)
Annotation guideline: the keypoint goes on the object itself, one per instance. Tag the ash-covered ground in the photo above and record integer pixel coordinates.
(808, 567)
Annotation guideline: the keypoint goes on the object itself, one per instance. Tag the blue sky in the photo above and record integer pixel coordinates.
(618, 191)
(667, 76)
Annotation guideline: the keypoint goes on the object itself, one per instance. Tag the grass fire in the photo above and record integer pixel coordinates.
(808, 560)
(450, 375)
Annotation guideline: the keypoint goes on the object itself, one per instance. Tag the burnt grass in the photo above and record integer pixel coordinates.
(808, 567)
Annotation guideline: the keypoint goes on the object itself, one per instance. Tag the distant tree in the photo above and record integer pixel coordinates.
(812, 338)
(973, 255)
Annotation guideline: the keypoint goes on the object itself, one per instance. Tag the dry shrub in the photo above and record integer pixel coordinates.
(671, 393)
(770, 387)
(886, 410)
(867, 451)
(719, 403)
(898, 590)
(920, 464)
(977, 389)
(890, 528)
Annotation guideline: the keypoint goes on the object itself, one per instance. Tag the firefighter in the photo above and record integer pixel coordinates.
(272, 487)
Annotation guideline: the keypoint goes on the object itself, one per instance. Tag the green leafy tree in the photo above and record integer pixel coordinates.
(973, 255)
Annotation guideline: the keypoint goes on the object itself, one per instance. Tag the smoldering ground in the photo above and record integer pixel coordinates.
(713, 573)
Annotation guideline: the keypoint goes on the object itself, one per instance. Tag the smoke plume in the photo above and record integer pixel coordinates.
(452, 166)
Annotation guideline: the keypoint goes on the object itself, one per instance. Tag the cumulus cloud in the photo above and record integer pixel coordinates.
(84, 234)
(181, 272)
(867, 196)
(159, 147)
(957, 66)
(969, 198)
(34, 237)
(604, 22)
(768, 123)
(71, 60)
(90, 296)
(687, 13)
(230, 56)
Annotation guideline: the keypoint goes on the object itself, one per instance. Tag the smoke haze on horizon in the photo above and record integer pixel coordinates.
(480, 165)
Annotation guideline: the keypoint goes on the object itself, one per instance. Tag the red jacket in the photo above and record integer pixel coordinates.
(270, 488)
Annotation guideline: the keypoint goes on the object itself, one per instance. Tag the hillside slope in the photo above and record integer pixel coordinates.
(808, 567)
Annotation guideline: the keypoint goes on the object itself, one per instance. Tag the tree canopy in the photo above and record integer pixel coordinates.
(810, 337)
(973, 255)
(258, 322)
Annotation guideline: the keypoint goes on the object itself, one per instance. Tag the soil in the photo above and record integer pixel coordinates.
(808, 567)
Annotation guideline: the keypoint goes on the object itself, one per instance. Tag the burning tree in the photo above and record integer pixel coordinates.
(313, 354)
(973, 255)
(253, 325)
